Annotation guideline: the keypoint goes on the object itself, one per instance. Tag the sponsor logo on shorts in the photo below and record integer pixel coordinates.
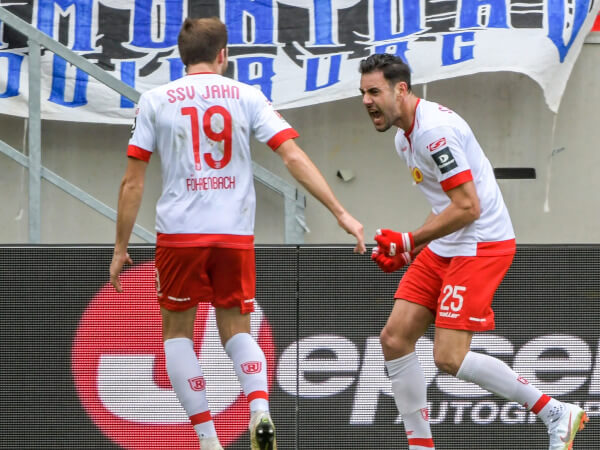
(425, 414)
(175, 299)
(444, 160)
(251, 367)
(197, 383)
(437, 144)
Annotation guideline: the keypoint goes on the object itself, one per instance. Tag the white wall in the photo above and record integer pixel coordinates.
(506, 111)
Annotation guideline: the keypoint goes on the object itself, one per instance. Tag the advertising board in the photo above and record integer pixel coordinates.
(82, 366)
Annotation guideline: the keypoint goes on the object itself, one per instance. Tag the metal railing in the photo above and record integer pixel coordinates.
(294, 200)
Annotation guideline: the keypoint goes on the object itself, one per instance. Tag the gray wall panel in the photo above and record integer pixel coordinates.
(506, 111)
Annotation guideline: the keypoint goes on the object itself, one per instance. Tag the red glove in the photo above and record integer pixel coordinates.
(392, 243)
(390, 263)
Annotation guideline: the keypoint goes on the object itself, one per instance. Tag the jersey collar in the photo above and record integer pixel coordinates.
(412, 125)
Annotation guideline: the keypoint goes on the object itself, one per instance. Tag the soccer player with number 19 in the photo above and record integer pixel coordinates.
(201, 126)
(457, 259)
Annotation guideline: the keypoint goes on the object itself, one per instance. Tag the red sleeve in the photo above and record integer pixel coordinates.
(138, 153)
(281, 137)
(456, 180)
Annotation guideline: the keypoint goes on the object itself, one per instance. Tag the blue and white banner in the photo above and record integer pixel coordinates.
(298, 52)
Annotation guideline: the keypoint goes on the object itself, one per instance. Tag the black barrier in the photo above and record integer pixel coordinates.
(82, 367)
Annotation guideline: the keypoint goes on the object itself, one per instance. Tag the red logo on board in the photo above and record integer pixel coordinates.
(118, 367)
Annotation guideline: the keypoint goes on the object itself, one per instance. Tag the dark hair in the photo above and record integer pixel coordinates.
(394, 69)
(200, 40)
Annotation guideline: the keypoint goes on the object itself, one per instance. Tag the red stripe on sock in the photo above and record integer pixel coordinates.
(423, 442)
(258, 394)
(201, 418)
(539, 405)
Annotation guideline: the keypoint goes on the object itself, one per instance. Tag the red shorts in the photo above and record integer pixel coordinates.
(458, 290)
(225, 277)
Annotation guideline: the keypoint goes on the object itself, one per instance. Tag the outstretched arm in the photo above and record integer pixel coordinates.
(130, 198)
(303, 169)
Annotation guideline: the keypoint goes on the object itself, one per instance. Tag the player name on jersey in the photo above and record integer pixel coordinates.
(210, 91)
(210, 183)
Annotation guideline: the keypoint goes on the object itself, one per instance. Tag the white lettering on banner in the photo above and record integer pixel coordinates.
(481, 413)
(484, 413)
(512, 412)
(595, 381)
(372, 382)
(576, 357)
(338, 355)
(459, 410)
(330, 364)
(126, 387)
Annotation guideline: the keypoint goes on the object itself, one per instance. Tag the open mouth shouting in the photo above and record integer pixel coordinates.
(376, 116)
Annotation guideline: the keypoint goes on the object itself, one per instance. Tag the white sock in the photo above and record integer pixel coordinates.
(251, 369)
(410, 394)
(187, 380)
(495, 376)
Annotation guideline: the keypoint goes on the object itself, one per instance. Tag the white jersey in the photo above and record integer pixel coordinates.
(201, 125)
(442, 153)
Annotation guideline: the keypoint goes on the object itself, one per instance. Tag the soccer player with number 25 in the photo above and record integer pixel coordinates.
(201, 126)
(457, 259)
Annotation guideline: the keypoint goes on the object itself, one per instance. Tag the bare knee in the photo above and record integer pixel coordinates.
(450, 348)
(231, 322)
(178, 324)
(405, 325)
(448, 361)
(395, 344)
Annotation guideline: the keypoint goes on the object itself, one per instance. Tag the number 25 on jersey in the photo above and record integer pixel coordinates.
(453, 299)
(223, 135)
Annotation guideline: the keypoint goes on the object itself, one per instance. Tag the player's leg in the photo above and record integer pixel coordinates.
(248, 358)
(233, 275)
(452, 355)
(178, 312)
(411, 315)
(465, 307)
(406, 324)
